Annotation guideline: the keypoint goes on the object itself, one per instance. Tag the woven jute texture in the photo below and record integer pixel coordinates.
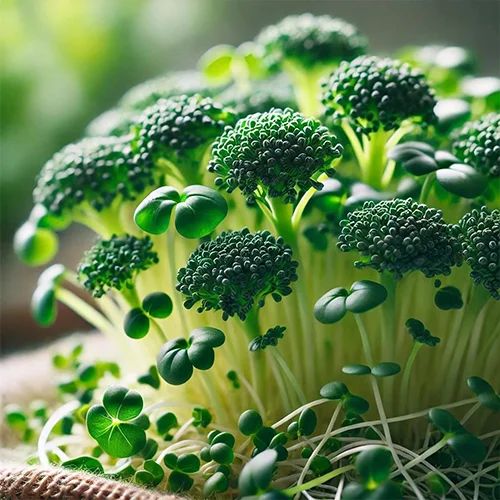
(19, 483)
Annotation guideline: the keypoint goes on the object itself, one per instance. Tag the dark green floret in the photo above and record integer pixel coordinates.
(478, 144)
(114, 122)
(115, 263)
(180, 129)
(236, 271)
(310, 41)
(374, 93)
(275, 154)
(479, 233)
(400, 236)
(421, 334)
(93, 173)
(178, 83)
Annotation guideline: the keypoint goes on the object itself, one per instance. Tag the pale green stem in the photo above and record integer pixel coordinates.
(427, 187)
(319, 480)
(408, 368)
(364, 339)
(301, 205)
(294, 383)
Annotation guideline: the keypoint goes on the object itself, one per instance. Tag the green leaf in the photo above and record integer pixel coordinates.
(462, 180)
(150, 475)
(356, 369)
(188, 463)
(216, 63)
(199, 212)
(178, 481)
(331, 307)
(207, 335)
(217, 483)
(151, 378)
(321, 465)
(136, 324)
(468, 447)
(224, 437)
(365, 295)
(445, 421)
(44, 304)
(35, 246)
(170, 460)
(122, 403)
(334, 390)
(355, 404)
(173, 362)
(374, 466)
(85, 463)
(484, 392)
(150, 449)
(250, 422)
(222, 453)
(385, 369)
(448, 297)
(202, 417)
(158, 305)
(307, 422)
(256, 475)
(153, 213)
(166, 423)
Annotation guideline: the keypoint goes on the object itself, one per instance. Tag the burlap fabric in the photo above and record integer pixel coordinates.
(28, 376)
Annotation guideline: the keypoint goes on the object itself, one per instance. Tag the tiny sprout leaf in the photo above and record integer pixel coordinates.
(199, 212)
(221, 453)
(35, 246)
(158, 305)
(153, 213)
(355, 404)
(224, 437)
(448, 297)
(462, 180)
(386, 369)
(468, 447)
(188, 463)
(44, 300)
(136, 324)
(173, 362)
(321, 465)
(166, 423)
(334, 390)
(217, 483)
(365, 295)
(374, 466)
(201, 417)
(150, 449)
(122, 403)
(178, 481)
(150, 378)
(256, 475)
(85, 463)
(484, 392)
(250, 422)
(331, 307)
(445, 421)
(216, 63)
(356, 369)
(150, 475)
(307, 422)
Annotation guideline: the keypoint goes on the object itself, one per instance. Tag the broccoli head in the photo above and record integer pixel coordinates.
(93, 173)
(479, 234)
(400, 236)
(115, 263)
(374, 93)
(115, 122)
(237, 270)
(180, 129)
(478, 144)
(178, 83)
(309, 41)
(277, 152)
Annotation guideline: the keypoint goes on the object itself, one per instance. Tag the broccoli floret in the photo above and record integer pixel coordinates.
(310, 41)
(260, 97)
(375, 93)
(400, 236)
(115, 263)
(93, 173)
(479, 234)
(237, 270)
(273, 154)
(478, 144)
(114, 122)
(180, 130)
(149, 92)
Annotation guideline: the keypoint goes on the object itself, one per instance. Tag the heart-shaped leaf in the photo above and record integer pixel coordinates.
(331, 307)
(212, 337)
(158, 305)
(334, 390)
(136, 324)
(256, 475)
(365, 295)
(173, 362)
(199, 212)
(122, 403)
(151, 474)
(462, 180)
(448, 297)
(153, 213)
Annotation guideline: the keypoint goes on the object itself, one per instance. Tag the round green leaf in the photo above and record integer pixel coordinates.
(331, 307)
(221, 453)
(199, 212)
(484, 392)
(365, 295)
(122, 403)
(437, 484)
(150, 449)
(462, 180)
(201, 356)
(250, 422)
(334, 390)
(307, 422)
(256, 475)
(44, 304)
(468, 447)
(356, 369)
(158, 305)
(152, 474)
(386, 369)
(374, 466)
(420, 164)
(35, 246)
(224, 437)
(217, 483)
(263, 437)
(136, 324)
(178, 481)
(448, 297)
(216, 63)
(445, 421)
(207, 335)
(166, 423)
(355, 404)
(153, 213)
(321, 465)
(173, 363)
(85, 463)
(188, 463)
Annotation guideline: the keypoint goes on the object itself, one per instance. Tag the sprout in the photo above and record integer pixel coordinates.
(400, 236)
(115, 263)
(275, 153)
(236, 271)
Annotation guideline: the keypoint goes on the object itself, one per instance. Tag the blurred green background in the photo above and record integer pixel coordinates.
(65, 61)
